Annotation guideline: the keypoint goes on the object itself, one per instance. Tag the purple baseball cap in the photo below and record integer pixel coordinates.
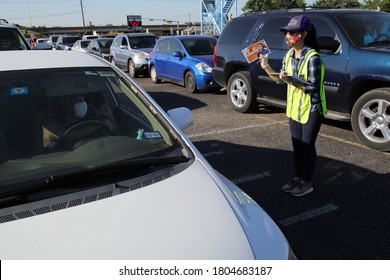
(297, 23)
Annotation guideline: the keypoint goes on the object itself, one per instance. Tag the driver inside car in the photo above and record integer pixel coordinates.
(68, 111)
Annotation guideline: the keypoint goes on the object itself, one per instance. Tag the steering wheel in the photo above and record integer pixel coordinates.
(83, 130)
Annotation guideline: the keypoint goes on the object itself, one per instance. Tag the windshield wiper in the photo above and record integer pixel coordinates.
(152, 162)
(91, 176)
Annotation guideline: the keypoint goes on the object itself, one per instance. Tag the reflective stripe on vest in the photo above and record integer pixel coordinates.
(299, 103)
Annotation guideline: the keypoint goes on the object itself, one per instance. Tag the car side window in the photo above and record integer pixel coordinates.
(163, 46)
(271, 34)
(175, 47)
(327, 38)
(124, 42)
(240, 28)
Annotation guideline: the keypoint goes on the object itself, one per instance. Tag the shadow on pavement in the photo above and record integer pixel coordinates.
(345, 218)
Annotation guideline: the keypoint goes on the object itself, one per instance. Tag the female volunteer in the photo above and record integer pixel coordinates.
(306, 103)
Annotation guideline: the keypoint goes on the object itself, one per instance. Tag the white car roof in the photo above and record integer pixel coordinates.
(22, 60)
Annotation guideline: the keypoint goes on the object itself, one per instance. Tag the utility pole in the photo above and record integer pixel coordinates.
(82, 13)
(29, 13)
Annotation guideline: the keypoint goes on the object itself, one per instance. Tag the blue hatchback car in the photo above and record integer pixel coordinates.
(184, 60)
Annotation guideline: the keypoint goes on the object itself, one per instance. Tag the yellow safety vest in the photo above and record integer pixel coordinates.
(299, 103)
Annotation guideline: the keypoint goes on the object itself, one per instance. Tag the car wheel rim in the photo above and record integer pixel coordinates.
(190, 82)
(153, 74)
(131, 69)
(238, 93)
(374, 120)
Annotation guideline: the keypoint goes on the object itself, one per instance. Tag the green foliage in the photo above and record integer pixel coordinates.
(333, 4)
(262, 5)
(383, 5)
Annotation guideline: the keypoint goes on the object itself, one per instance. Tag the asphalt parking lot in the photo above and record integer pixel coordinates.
(345, 218)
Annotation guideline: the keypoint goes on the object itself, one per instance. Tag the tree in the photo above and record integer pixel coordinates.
(383, 5)
(263, 5)
(333, 4)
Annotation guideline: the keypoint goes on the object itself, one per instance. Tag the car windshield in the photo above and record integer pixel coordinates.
(200, 46)
(63, 121)
(366, 29)
(54, 39)
(142, 42)
(84, 44)
(11, 40)
(70, 40)
(105, 44)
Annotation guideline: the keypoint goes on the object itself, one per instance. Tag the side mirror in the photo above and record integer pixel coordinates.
(182, 117)
(177, 54)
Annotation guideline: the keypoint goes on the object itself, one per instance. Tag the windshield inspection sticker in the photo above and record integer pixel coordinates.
(19, 90)
(152, 135)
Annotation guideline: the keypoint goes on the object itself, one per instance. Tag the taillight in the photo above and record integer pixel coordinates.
(215, 54)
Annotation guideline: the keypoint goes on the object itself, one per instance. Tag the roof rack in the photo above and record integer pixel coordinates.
(250, 12)
(3, 21)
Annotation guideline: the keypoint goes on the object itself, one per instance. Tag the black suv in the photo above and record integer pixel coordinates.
(355, 47)
(11, 38)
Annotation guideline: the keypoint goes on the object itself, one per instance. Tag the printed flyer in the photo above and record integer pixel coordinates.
(251, 52)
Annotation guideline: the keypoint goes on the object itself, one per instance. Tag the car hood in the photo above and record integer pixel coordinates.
(208, 59)
(186, 216)
(145, 50)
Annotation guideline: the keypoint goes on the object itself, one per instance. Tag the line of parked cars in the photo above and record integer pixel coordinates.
(183, 60)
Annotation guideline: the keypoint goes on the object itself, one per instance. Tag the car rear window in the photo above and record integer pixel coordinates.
(142, 42)
(11, 40)
(70, 40)
(240, 28)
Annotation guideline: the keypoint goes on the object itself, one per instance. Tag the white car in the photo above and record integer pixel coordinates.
(124, 184)
(81, 45)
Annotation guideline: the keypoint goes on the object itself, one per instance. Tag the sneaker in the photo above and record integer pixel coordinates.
(302, 190)
(292, 184)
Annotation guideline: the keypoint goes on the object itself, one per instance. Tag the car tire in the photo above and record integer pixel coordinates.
(241, 93)
(190, 82)
(370, 119)
(154, 75)
(132, 71)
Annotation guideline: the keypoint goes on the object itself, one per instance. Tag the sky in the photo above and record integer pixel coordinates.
(102, 12)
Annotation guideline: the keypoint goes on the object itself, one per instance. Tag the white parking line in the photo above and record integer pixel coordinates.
(231, 129)
(308, 215)
(245, 179)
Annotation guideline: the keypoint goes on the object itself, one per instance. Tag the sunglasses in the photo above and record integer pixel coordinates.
(292, 33)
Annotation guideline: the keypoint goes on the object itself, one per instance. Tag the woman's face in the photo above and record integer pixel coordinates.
(295, 38)
(80, 107)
